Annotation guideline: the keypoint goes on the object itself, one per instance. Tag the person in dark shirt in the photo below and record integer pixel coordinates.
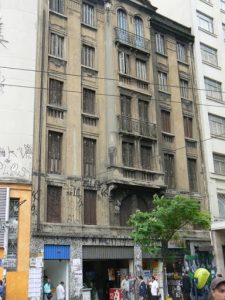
(186, 286)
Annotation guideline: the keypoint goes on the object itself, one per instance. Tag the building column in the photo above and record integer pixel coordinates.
(137, 261)
(76, 272)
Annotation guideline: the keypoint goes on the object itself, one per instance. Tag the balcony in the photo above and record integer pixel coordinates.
(136, 127)
(135, 41)
(133, 82)
(191, 146)
(56, 111)
(168, 140)
(136, 176)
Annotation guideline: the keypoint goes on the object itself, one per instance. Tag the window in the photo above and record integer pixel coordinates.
(160, 43)
(57, 6)
(54, 194)
(221, 204)
(223, 27)
(122, 25)
(219, 163)
(169, 169)
(184, 90)
(88, 14)
(141, 69)
(165, 117)
(139, 31)
(181, 52)
(90, 207)
(188, 131)
(209, 55)
(125, 104)
(13, 228)
(124, 63)
(213, 89)
(192, 176)
(89, 101)
(55, 92)
(128, 154)
(146, 156)
(88, 56)
(205, 22)
(222, 3)
(89, 157)
(56, 45)
(162, 79)
(54, 152)
(143, 110)
(217, 125)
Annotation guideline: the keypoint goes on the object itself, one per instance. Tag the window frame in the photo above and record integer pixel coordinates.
(181, 52)
(128, 155)
(219, 163)
(58, 11)
(55, 159)
(141, 69)
(170, 172)
(210, 51)
(146, 159)
(193, 182)
(160, 43)
(89, 159)
(49, 206)
(184, 90)
(205, 18)
(92, 111)
(85, 58)
(124, 62)
(162, 79)
(57, 55)
(220, 123)
(166, 121)
(90, 210)
(188, 126)
(58, 101)
(209, 92)
(93, 17)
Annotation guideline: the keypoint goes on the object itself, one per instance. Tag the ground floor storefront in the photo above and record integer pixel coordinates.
(99, 264)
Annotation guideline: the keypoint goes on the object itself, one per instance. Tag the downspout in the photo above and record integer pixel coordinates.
(41, 118)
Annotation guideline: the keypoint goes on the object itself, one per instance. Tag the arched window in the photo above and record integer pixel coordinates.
(139, 31)
(122, 25)
(128, 206)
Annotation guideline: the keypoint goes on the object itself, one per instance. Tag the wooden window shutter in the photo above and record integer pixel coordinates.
(188, 131)
(90, 207)
(89, 157)
(54, 152)
(89, 101)
(54, 194)
(165, 115)
(192, 169)
(55, 92)
(143, 110)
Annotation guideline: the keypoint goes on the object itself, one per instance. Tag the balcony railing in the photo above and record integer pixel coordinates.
(56, 112)
(137, 127)
(133, 40)
(134, 82)
(191, 146)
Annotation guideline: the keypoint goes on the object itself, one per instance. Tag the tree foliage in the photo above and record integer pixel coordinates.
(152, 230)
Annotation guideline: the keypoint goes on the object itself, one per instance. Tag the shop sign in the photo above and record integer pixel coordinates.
(115, 294)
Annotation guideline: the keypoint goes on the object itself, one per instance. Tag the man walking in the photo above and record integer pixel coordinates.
(154, 288)
(142, 289)
(60, 291)
(186, 286)
(218, 288)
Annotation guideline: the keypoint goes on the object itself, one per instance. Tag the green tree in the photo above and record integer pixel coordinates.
(153, 230)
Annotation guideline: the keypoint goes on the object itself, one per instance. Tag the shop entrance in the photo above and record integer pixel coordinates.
(101, 275)
(56, 265)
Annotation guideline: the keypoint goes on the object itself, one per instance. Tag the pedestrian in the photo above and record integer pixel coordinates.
(186, 286)
(149, 285)
(2, 289)
(142, 289)
(60, 291)
(154, 289)
(47, 290)
(125, 287)
(218, 288)
(136, 288)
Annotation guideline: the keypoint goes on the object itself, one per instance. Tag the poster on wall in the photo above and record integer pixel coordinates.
(35, 283)
(77, 275)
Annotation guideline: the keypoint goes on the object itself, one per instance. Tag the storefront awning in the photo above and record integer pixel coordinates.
(105, 252)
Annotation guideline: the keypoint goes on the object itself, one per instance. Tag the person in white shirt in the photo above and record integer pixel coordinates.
(125, 287)
(60, 291)
(154, 288)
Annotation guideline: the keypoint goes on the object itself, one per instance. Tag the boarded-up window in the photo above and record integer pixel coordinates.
(129, 206)
(128, 154)
(89, 101)
(169, 169)
(146, 156)
(125, 103)
(54, 194)
(89, 157)
(165, 115)
(192, 174)
(90, 207)
(188, 131)
(55, 92)
(54, 152)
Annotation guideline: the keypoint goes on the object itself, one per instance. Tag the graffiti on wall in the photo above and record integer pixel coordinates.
(16, 161)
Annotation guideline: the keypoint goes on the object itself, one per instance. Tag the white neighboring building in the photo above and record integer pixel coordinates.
(207, 19)
(19, 18)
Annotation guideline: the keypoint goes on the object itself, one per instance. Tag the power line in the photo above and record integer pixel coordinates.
(110, 95)
(105, 78)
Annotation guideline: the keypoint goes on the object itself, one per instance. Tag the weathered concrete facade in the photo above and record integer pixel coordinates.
(112, 151)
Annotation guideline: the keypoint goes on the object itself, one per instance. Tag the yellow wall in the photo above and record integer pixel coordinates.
(17, 286)
(17, 282)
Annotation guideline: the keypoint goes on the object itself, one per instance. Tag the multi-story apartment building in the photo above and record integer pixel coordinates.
(17, 53)
(111, 130)
(207, 20)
